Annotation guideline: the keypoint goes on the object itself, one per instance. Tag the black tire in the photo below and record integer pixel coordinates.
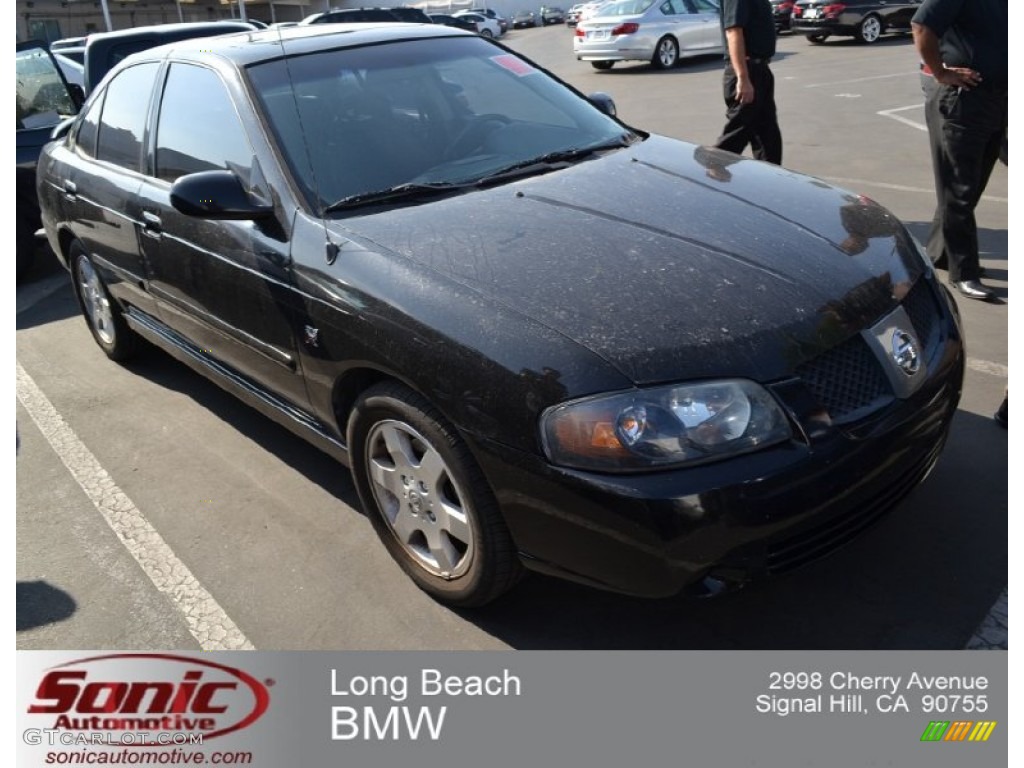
(817, 38)
(870, 29)
(666, 53)
(486, 33)
(427, 498)
(102, 313)
(602, 64)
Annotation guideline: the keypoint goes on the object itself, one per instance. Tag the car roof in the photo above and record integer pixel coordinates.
(252, 47)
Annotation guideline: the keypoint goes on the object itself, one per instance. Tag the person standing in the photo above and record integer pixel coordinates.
(748, 83)
(963, 45)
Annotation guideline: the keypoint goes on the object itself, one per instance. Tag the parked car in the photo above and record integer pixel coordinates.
(523, 19)
(551, 16)
(490, 13)
(105, 49)
(782, 13)
(43, 99)
(453, 21)
(573, 15)
(658, 31)
(364, 15)
(592, 383)
(591, 9)
(485, 26)
(865, 20)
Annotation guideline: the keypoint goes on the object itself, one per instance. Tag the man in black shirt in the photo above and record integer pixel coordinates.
(963, 45)
(748, 82)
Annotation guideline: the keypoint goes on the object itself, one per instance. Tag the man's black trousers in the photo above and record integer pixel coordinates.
(966, 129)
(757, 123)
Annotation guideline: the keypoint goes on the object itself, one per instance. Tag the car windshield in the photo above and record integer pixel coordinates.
(373, 122)
(42, 96)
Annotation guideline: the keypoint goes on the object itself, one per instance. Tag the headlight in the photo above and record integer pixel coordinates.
(664, 426)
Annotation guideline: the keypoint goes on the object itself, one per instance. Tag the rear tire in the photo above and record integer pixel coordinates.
(817, 38)
(602, 64)
(102, 314)
(427, 498)
(870, 29)
(666, 53)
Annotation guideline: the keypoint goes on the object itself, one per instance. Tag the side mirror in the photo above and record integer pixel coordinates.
(603, 102)
(216, 195)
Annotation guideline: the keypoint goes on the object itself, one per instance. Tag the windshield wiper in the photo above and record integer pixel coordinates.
(391, 194)
(552, 161)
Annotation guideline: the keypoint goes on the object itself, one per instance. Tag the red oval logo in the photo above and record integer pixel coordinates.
(150, 692)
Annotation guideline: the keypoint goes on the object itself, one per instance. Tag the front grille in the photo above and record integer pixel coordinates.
(846, 379)
(813, 543)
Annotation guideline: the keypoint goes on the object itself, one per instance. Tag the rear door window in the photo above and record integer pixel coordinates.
(125, 110)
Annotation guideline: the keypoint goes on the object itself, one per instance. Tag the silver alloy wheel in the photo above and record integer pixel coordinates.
(668, 52)
(95, 301)
(420, 499)
(870, 29)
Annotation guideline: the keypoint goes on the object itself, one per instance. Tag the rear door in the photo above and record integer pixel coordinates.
(100, 176)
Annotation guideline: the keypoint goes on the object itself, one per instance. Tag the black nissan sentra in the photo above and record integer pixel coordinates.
(539, 337)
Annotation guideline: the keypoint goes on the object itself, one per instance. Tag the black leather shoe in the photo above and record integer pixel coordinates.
(974, 289)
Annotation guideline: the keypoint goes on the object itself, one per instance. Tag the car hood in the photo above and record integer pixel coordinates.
(669, 260)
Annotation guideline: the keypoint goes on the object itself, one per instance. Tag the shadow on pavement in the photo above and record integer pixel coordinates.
(39, 603)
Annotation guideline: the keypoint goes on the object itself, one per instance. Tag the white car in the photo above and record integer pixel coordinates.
(485, 26)
(658, 31)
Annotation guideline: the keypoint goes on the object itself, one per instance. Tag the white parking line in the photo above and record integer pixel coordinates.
(207, 621)
(890, 113)
(898, 187)
(856, 80)
(992, 369)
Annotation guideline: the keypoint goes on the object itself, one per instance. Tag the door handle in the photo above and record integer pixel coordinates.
(151, 224)
(70, 190)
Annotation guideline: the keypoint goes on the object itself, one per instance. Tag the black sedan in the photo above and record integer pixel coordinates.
(782, 13)
(539, 337)
(865, 20)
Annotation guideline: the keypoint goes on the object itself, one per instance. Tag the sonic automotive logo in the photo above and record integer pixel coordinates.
(149, 694)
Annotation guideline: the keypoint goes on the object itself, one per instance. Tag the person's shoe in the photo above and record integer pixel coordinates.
(974, 289)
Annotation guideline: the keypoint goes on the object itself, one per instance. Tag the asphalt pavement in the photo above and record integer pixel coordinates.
(155, 511)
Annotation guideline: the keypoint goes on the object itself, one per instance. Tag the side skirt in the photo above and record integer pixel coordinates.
(245, 389)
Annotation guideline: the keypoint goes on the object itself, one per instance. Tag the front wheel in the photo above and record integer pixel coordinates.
(817, 38)
(486, 33)
(666, 53)
(602, 64)
(102, 314)
(427, 498)
(870, 29)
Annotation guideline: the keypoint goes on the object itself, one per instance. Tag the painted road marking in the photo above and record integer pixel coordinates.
(855, 80)
(891, 113)
(207, 621)
(898, 187)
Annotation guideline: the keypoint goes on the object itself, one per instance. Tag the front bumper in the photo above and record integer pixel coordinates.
(656, 534)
